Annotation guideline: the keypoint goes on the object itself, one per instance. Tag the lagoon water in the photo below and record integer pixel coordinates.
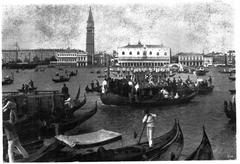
(204, 110)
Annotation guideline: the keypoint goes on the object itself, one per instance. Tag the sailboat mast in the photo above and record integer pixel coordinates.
(16, 52)
(108, 75)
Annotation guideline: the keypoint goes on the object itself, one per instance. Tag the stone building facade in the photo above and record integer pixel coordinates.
(141, 55)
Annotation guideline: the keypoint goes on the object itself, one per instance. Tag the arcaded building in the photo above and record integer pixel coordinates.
(141, 55)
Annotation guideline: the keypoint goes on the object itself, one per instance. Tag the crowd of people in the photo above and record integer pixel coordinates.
(149, 87)
(204, 83)
(27, 87)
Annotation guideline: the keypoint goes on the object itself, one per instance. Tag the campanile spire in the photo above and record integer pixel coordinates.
(90, 38)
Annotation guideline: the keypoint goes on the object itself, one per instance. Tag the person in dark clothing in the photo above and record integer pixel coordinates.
(210, 80)
(31, 84)
(13, 141)
(26, 88)
(97, 84)
(92, 85)
(23, 88)
(65, 91)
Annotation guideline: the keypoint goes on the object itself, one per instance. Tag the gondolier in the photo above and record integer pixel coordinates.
(65, 91)
(148, 119)
(13, 141)
(12, 106)
(104, 85)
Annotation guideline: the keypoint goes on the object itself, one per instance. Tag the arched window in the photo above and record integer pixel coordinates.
(138, 52)
(130, 53)
(150, 53)
(157, 53)
(165, 53)
(123, 53)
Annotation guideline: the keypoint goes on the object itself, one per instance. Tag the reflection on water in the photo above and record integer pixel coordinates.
(202, 110)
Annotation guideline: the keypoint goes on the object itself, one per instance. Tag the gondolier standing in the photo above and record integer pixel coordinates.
(65, 91)
(10, 132)
(148, 120)
(12, 106)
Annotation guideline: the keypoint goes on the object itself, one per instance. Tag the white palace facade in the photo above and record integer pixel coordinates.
(72, 57)
(143, 56)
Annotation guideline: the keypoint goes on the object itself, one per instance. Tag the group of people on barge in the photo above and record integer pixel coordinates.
(148, 87)
(27, 87)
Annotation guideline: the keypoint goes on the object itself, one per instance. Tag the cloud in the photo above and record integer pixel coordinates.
(182, 27)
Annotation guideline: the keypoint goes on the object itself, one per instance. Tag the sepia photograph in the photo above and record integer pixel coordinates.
(104, 81)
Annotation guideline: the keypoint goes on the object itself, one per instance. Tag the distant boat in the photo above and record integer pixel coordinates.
(233, 78)
(61, 78)
(8, 80)
(21, 65)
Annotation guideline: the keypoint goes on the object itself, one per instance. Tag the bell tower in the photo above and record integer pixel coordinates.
(90, 38)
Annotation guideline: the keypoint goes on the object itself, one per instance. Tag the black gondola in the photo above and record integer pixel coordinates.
(200, 72)
(37, 150)
(115, 99)
(204, 150)
(205, 90)
(7, 81)
(232, 91)
(95, 89)
(29, 89)
(233, 78)
(73, 73)
(61, 79)
(230, 110)
(163, 148)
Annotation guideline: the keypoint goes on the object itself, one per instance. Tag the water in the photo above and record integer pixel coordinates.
(202, 110)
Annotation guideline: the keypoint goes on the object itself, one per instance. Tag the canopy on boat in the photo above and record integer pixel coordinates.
(99, 137)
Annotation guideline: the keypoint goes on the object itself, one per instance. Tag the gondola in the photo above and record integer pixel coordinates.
(114, 99)
(232, 91)
(72, 73)
(29, 89)
(233, 78)
(204, 150)
(7, 81)
(48, 125)
(64, 124)
(227, 71)
(171, 151)
(200, 72)
(101, 76)
(77, 104)
(37, 150)
(171, 75)
(95, 89)
(205, 90)
(229, 111)
(164, 146)
(61, 79)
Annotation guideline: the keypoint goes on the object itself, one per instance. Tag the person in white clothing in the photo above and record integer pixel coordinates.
(176, 96)
(148, 119)
(104, 86)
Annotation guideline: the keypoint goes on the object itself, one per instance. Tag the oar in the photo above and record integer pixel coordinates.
(142, 132)
(78, 93)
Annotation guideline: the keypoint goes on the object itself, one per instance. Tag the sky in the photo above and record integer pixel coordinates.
(184, 27)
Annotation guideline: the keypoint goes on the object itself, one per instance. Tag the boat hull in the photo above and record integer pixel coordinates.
(205, 90)
(114, 99)
(137, 152)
